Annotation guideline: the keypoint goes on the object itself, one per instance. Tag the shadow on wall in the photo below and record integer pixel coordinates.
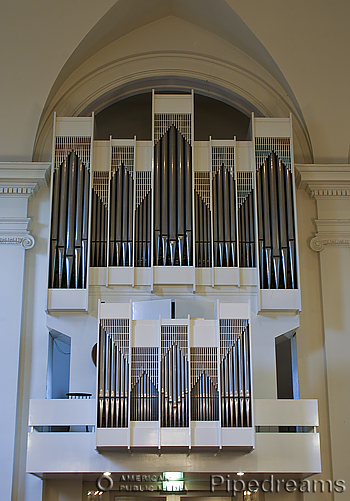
(58, 365)
(133, 116)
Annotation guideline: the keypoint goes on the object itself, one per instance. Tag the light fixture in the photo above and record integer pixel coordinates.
(107, 474)
(173, 481)
(240, 473)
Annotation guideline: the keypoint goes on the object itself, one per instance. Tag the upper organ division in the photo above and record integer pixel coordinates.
(182, 204)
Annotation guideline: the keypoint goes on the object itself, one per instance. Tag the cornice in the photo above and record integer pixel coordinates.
(23, 178)
(14, 231)
(324, 180)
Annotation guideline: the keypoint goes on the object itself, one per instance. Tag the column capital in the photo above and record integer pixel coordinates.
(18, 182)
(14, 231)
(331, 232)
(23, 179)
(329, 186)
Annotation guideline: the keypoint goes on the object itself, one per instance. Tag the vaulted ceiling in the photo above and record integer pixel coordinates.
(272, 57)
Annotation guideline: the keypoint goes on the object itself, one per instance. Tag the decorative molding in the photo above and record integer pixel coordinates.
(14, 231)
(324, 180)
(331, 232)
(23, 179)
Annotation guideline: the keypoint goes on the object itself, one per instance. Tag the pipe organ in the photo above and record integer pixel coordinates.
(173, 211)
(160, 380)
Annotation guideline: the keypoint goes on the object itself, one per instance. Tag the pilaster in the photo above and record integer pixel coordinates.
(18, 182)
(329, 186)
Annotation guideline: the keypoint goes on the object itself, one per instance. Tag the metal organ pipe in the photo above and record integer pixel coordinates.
(172, 200)
(276, 224)
(121, 217)
(174, 389)
(233, 220)
(70, 210)
(235, 384)
(118, 216)
(165, 199)
(290, 222)
(78, 222)
(224, 217)
(180, 199)
(188, 200)
(157, 212)
(112, 383)
(54, 225)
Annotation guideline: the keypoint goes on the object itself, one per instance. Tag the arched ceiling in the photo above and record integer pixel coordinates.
(175, 50)
(217, 17)
(294, 50)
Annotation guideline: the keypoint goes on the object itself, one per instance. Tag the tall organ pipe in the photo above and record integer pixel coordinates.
(290, 221)
(180, 199)
(220, 209)
(70, 206)
(227, 235)
(112, 216)
(101, 377)
(224, 217)
(235, 384)
(262, 269)
(99, 219)
(78, 222)
(54, 225)
(233, 220)
(121, 217)
(62, 221)
(276, 224)
(188, 199)
(172, 200)
(113, 383)
(157, 199)
(165, 200)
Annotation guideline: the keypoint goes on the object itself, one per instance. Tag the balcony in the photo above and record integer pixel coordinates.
(61, 439)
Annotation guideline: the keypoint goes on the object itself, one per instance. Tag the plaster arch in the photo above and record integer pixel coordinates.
(171, 53)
